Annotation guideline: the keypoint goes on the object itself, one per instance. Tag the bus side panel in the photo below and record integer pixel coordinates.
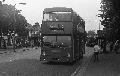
(82, 44)
(79, 47)
(76, 50)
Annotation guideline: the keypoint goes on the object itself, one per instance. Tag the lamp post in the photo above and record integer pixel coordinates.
(13, 40)
(15, 34)
(1, 40)
(19, 10)
(99, 25)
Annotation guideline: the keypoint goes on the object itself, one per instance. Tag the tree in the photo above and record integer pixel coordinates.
(111, 16)
(36, 28)
(4, 17)
(21, 25)
(91, 33)
(12, 20)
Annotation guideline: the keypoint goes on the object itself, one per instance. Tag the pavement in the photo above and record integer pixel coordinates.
(108, 65)
(8, 55)
(10, 50)
(85, 62)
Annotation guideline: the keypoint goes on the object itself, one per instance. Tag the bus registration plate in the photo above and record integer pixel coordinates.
(55, 50)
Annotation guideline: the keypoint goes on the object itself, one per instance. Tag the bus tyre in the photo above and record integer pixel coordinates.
(81, 55)
(70, 62)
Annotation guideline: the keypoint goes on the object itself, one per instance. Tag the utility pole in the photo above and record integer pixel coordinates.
(1, 38)
(14, 31)
(99, 25)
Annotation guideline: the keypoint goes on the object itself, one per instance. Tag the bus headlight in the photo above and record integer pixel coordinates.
(68, 54)
(44, 53)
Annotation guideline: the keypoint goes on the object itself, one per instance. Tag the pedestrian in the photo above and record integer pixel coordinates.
(108, 47)
(102, 45)
(96, 52)
(4, 44)
(111, 46)
(32, 43)
(116, 46)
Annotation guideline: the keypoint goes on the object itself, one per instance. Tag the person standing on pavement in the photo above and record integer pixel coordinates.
(32, 43)
(116, 46)
(111, 46)
(96, 52)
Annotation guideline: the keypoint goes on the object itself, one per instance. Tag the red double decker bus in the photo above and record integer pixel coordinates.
(63, 35)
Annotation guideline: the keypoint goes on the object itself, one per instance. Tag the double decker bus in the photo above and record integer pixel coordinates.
(62, 35)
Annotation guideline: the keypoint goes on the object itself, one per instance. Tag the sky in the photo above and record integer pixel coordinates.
(33, 10)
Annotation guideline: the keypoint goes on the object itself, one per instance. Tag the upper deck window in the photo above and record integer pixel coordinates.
(57, 16)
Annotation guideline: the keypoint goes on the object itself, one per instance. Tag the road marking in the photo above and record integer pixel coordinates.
(73, 74)
(82, 68)
(3, 74)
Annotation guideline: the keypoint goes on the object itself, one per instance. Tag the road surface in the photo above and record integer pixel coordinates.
(27, 64)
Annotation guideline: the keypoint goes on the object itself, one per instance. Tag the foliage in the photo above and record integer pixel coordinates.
(36, 28)
(111, 16)
(12, 20)
(77, 19)
(29, 27)
(91, 33)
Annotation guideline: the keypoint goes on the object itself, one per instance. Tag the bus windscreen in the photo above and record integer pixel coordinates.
(63, 41)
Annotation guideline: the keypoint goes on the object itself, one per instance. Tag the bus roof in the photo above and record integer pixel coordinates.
(57, 9)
